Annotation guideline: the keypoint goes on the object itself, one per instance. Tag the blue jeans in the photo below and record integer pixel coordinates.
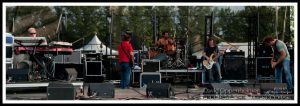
(125, 75)
(285, 67)
(214, 74)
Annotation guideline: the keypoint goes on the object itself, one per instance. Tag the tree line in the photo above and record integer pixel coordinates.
(80, 23)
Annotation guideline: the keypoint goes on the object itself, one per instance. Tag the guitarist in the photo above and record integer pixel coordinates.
(280, 61)
(125, 58)
(210, 56)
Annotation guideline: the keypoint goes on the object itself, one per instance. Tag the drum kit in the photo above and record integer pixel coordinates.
(171, 58)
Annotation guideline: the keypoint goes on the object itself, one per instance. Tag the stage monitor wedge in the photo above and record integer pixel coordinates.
(61, 91)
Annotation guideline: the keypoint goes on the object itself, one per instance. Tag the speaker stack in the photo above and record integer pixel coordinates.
(234, 66)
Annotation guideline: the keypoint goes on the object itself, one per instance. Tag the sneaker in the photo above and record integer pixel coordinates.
(137, 68)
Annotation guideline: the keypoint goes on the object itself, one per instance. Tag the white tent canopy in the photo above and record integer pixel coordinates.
(95, 44)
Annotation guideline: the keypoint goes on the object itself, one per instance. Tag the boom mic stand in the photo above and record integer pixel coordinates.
(186, 64)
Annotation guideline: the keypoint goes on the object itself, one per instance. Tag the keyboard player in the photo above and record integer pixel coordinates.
(36, 47)
(41, 62)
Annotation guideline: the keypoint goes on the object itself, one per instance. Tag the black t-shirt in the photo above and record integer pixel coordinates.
(211, 50)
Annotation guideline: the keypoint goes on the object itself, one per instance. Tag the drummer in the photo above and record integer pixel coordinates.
(165, 42)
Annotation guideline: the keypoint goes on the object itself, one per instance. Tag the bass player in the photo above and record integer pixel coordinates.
(210, 57)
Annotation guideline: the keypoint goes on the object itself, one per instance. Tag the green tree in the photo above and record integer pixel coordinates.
(85, 21)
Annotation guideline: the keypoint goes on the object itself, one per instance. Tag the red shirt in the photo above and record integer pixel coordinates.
(127, 48)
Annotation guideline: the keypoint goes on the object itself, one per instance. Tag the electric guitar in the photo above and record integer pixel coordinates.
(208, 64)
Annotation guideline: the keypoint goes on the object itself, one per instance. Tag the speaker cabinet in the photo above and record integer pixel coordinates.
(93, 72)
(263, 67)
(234, 68)
(152, 65)
(93, 68)
(103, 90)
(61, 73)
(111, 68)
(60, 91)
(149, 77)
(72, 74)
(159, 90)
(17, 75)
(264, 51)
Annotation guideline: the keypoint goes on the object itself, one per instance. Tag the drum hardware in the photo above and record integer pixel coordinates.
(170, 61)
(178, 62)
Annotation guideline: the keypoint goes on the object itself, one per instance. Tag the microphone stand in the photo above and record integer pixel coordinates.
(186, 63)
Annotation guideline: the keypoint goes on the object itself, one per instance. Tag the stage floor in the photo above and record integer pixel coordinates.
(249, 91)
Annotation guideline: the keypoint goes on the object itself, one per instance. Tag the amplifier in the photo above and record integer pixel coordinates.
(75, 57)
(149, 77)
(150, 65)
(264, 68)
(93, 57)
(264, 51)
(93, 68)
(233, 54)
(234, 68)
